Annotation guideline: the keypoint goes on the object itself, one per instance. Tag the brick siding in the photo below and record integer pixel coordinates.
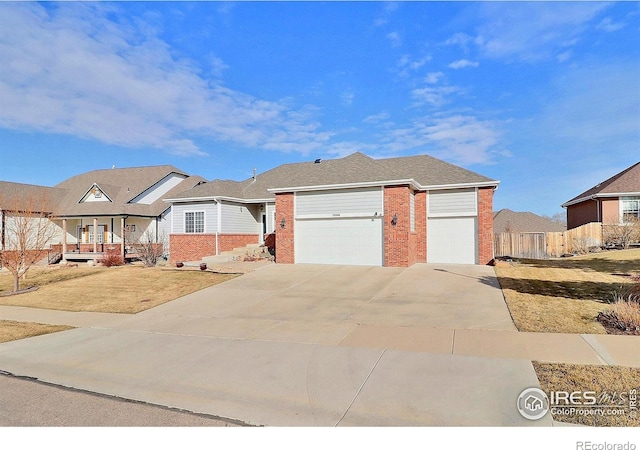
(228, 242)
(399, 244)
(485, 225)
(284, 236)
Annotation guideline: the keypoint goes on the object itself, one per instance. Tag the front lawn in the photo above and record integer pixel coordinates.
(565, 295)
(126, 289)
(11, 331)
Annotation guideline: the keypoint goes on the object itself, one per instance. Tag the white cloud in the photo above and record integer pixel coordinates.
(385, 15)
(533, 31)
(68, 69)
(433, 77)
(394, 38)
(607, 24)
(376, 118)
(461, 139)
(407, 64)
(463, 63)
(436, 96)
(347, 97)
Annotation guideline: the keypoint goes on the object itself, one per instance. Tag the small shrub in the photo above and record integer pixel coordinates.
(624, 314)
(112, 258)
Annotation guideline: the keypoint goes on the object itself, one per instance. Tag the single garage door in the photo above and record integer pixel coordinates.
(452, 240)
(350, 241)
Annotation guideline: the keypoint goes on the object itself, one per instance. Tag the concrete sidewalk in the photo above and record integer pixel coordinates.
(598, 349)
(286, 345)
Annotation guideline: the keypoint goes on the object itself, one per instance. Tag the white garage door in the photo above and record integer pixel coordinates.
(351, 241)
(452, 240)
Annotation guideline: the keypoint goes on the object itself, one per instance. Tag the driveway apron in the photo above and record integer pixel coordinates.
(307, 345)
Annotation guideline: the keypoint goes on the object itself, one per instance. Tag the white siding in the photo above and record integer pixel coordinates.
(210, 215)
(164, 226)
(15, 225)
(271, 224)
(158, 190)
(354, 202)
(457, 202)
(240, 218)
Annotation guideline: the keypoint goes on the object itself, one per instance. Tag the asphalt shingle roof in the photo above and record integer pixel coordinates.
(627, 181)
(507, 221)
(121, 186)
(354, 168)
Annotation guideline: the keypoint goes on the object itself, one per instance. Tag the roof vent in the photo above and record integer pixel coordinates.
(317, 161)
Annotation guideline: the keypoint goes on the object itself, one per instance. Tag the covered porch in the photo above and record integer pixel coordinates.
(89, 239)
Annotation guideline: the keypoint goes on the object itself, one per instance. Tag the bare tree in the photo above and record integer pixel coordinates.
(148, 246)
(560, 218)
(27, 233)
(623, 234)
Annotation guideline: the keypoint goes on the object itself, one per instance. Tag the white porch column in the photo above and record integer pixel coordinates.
(64, 240)
(95, 235)
(122, 242)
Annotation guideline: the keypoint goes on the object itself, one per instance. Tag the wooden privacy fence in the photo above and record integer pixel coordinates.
(546, 245)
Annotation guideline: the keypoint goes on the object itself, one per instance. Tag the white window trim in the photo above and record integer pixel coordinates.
(204, 222)
(621, 201)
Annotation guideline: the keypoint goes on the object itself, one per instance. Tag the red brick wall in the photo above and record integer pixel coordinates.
(582, 213)
(485, 225)
(399, 245)
(194, 247)
(228, 242)
(191, 247)
(284, 236)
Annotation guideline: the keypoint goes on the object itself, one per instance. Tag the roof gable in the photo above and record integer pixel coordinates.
(625, 182)
(95, 194)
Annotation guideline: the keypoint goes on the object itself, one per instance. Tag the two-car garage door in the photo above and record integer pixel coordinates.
(339, 227)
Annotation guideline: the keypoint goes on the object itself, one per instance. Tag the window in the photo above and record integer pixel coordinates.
(194, 222)
(630, 208)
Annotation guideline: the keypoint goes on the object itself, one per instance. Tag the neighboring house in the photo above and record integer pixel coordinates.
(15, 198)
(95, 211)
(352, 210)
(507, 221)
(609, 202)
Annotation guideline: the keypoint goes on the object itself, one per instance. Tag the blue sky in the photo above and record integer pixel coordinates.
(544, 97)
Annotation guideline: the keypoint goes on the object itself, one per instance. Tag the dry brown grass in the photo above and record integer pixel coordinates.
(126, 289)
(599, 379)
(565, 295)
(11, 331)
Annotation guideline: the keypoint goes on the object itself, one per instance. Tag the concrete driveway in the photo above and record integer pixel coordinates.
(303, 345)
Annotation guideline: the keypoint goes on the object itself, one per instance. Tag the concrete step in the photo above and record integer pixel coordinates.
(235, 254)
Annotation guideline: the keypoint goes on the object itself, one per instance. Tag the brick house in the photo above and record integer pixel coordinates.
(610, 202)
(353, 210)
